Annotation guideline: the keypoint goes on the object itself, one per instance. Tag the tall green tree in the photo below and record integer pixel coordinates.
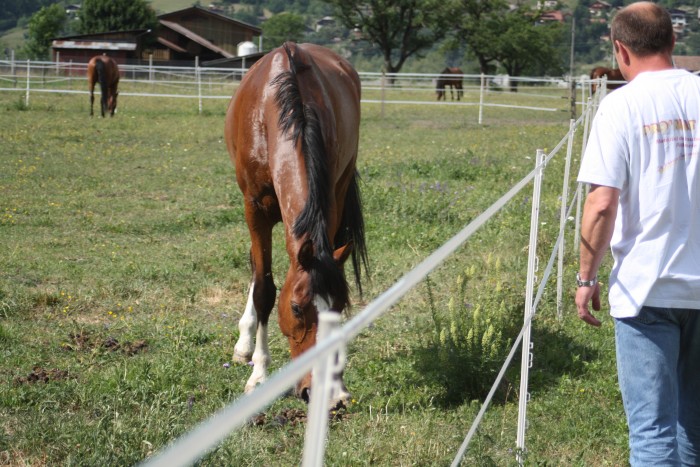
(399, 28)
(283, 27)
(116, 15)
(44, 25)
(478, 26)
(525, 46)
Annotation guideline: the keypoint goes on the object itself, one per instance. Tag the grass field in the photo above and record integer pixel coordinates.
(123, 270)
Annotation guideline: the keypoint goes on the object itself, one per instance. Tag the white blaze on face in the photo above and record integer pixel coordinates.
(322, 303)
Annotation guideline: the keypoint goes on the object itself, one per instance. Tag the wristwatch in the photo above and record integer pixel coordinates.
(588, 283)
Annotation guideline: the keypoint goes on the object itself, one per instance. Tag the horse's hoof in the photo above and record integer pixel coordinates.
(240, 358)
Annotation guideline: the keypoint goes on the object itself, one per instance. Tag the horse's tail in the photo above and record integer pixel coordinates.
(303, 122)
(352, 228)
(102, 79)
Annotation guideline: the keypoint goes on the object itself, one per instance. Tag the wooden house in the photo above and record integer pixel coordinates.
(181, 37)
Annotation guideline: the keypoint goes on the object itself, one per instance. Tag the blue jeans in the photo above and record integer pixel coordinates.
(658, 365)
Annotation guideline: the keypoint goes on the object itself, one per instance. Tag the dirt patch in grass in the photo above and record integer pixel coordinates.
(292, 417)
(84, 340)
(41, 375)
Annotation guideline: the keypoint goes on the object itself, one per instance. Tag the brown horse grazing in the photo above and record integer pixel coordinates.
(292, 132)
(612, 74)
(104, 70)
(448, 79)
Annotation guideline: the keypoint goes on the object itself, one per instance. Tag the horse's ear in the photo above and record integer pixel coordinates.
(305, 256)
(342, 253)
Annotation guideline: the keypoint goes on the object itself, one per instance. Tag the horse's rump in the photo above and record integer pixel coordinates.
(104, 70)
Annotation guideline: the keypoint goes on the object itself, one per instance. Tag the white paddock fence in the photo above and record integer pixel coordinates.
(327, 358)
(203, 83)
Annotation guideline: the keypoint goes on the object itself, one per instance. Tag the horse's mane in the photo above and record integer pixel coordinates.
(301, 119)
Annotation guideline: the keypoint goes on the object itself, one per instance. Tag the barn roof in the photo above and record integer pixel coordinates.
(203, 12)
(92, 45)
(195, 37)
(688, 62)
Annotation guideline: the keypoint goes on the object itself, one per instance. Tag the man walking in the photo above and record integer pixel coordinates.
(643, 166)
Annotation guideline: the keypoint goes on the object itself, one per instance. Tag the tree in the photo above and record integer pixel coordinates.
(479, 27)
(44, 25)
(525, 45)
(399, 28)
(116, 15)
(283, 27)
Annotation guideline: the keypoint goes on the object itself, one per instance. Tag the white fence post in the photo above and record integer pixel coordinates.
(26, 96)
(526, 360)
(481, 98)
(562, 217)
(150, 68)
(199, 82)
(590, 109)
(325, 387)
(383, 90)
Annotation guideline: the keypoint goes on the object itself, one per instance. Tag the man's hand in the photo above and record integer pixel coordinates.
(584, 296)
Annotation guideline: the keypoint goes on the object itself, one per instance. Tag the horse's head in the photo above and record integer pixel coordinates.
(112, 103)
(312, 284)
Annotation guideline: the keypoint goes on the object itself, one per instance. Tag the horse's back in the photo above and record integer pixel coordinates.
(326, 82)
(108, 65)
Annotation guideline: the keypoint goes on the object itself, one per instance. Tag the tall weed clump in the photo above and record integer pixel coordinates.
(474, 332)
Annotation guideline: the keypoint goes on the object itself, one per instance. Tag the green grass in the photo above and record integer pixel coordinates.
(123, 270)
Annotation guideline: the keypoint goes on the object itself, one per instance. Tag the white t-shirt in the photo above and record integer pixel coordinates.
(645, 140)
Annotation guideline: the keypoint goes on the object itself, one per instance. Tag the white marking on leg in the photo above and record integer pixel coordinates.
(261, 359)
(247, 325)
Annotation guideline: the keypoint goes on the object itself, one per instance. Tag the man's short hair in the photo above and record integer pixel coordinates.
(644, 27)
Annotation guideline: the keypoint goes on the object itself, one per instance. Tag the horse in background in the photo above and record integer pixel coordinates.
(104, 70)
(612, 74)
(452, 77)
(292, 131)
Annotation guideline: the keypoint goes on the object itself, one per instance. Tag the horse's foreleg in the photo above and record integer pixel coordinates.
(261, 299)
(252, 344)
(247, 325)
(92, 101)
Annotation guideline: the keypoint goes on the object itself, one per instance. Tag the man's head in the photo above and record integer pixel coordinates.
(644, 28)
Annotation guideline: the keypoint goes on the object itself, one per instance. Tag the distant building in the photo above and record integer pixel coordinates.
(599, 8)
(324, 22)
(679, 20)
(687, 62)
(72, 11)
(549, 16)
(181, 36)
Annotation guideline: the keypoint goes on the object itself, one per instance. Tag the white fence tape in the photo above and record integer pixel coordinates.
(193, 80)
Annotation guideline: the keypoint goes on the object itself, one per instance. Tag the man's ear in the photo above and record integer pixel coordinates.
(623, 51)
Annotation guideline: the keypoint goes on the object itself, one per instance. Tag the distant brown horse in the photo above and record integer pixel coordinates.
(612, 74)
(292, 132)
(104, 70)
(450, 77)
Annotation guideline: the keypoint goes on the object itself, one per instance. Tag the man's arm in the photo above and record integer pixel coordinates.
(597, 226)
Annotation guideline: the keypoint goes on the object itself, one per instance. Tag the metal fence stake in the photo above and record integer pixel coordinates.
(324, 387)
